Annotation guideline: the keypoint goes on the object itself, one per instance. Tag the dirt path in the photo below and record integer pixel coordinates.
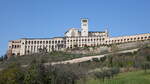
(82, 59)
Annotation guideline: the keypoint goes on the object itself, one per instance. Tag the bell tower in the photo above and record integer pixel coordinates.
(84, 27)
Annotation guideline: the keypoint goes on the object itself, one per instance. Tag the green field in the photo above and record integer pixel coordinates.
(138, 77)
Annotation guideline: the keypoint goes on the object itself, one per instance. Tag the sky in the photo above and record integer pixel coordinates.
(51, 18)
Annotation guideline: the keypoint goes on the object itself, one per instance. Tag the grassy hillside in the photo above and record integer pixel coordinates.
(115, 68)
(45, 57)
(137, 77)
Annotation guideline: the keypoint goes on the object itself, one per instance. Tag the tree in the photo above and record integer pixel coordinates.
(100, 75)
(12, 75)
(145, 66)
(1, 58)
(36, 73)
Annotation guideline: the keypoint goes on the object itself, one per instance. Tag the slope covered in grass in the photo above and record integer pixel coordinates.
(137, 77)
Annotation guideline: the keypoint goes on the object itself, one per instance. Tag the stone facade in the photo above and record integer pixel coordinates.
(73, 38)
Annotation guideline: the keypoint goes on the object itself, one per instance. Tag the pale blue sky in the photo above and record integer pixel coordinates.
(50, 18)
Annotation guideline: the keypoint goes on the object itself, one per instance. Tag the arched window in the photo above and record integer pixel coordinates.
(52, 42)
(141, 37)
(28, 42)
(58, 41)
(37, 42)
(46, 42)
(55, 42)
(43, 42)
(134, 38)
(34, 42)
(31, 42)
(40, 42)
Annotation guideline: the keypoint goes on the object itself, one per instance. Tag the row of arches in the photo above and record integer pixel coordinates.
(121, 40)
(44, 42)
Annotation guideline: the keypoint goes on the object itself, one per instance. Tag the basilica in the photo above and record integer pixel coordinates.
(73, 38)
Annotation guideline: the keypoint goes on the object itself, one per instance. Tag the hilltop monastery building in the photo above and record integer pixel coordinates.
(73, 38)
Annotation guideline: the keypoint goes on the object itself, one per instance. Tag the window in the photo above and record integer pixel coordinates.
(28, 42)
(46, 42)
(141, 37)
(52, 42)
(37, 42)
(34, 42)
(18, 46)
(40, 42)
(84, 25)
(134, 38)
(55, 42)
(43, 42)
(31, 42)
(84, 20)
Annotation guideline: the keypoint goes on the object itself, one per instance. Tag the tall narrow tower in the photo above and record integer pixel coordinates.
(84, 27)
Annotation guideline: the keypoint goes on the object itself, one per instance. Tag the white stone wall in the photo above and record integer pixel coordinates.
(29, 46)
(72, 33)
(33, 45)
(14, 47)
(73, 42)
(123, 39)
